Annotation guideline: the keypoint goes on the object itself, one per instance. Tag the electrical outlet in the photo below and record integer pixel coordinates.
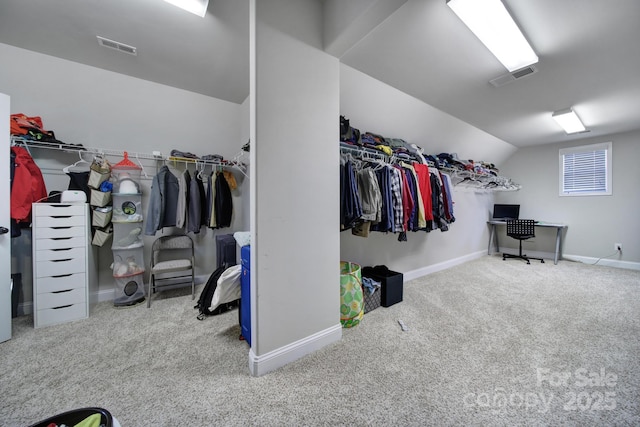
(618, 247)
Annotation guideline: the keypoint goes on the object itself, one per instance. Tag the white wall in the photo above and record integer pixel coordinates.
(379, 108)
(245, 136)
(373, 106)
(595, 223)
(295, 246)
(102, 109)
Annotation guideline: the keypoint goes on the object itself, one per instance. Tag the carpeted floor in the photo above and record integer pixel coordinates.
(490, 342)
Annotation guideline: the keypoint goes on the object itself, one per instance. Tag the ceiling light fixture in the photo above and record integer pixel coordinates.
(492, 24)
(569, 121)
(197, 7)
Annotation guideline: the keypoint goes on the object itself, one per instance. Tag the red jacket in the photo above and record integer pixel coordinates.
(27, 186)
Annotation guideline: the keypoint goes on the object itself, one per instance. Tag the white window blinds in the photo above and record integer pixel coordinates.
(585, 170)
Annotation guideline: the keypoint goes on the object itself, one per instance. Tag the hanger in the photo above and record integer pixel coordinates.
(378, 164)
(144, 172)
(200, 171)
(19, 142)
(82, 161)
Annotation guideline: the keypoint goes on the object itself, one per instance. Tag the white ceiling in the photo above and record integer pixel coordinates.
(589, 54)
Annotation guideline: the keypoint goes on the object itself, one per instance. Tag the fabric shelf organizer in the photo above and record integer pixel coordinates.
(100, 199)
(127, 245)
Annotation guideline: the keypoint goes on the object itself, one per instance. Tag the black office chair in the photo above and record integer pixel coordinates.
(521, 229)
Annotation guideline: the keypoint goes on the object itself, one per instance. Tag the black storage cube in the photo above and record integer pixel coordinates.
(392, 283)
(226, 250)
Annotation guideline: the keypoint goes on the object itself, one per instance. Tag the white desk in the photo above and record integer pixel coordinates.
(559, 227)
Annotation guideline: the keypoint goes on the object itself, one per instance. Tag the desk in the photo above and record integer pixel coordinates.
(559, 227)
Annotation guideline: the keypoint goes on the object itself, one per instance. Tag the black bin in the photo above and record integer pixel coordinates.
(392, 283)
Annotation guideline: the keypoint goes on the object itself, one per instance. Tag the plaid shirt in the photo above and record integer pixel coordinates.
(396, 197)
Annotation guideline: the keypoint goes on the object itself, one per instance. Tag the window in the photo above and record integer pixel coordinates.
(586, 170)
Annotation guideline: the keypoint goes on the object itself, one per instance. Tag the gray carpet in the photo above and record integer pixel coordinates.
(490, 342)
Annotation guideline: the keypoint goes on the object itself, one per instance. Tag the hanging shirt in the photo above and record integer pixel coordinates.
(370, 197)
(411, 182)
(231, 180)
(163, 201)
(211, 206)
(407, 199)
(395, 182)
(448, 197)
(424, 183)
(27, 186)
(386, 218)
(181, 209)
(421, 218)
(223, 202)
(350, 198)
(194, 208)
(439, 220)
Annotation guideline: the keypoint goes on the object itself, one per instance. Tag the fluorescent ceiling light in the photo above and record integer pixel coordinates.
(492, 24)
(198, 7)
(569, 121)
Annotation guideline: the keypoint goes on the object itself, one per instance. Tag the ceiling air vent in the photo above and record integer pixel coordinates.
(117, 46)
(515, 75)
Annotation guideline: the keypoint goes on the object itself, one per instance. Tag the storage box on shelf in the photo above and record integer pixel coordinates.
(98, 175)
(102, 235)
(100, 198)
(63, 263)
(100, 218)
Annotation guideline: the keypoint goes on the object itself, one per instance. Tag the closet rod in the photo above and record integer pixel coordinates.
(363, 152)
(488, 182)
(68, 148)
(367, 153)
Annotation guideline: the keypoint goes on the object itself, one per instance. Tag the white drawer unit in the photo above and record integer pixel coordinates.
(64, 277)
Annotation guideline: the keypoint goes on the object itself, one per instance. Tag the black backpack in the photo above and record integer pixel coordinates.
(348, 133)
(204, 302)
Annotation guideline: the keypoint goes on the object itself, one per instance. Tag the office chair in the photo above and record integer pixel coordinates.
(171, 255)
(521, 229)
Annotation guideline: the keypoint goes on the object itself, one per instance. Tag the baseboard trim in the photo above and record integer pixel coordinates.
(423, 271)
(606, 262)
(260, 365)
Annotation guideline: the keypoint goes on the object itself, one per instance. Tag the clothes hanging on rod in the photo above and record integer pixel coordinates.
(215, 160)
(189, 201)
(406, 197)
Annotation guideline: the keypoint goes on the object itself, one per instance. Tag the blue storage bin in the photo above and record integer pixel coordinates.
(245, 294)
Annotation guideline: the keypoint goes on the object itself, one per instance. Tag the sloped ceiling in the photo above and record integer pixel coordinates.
(589, 55)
